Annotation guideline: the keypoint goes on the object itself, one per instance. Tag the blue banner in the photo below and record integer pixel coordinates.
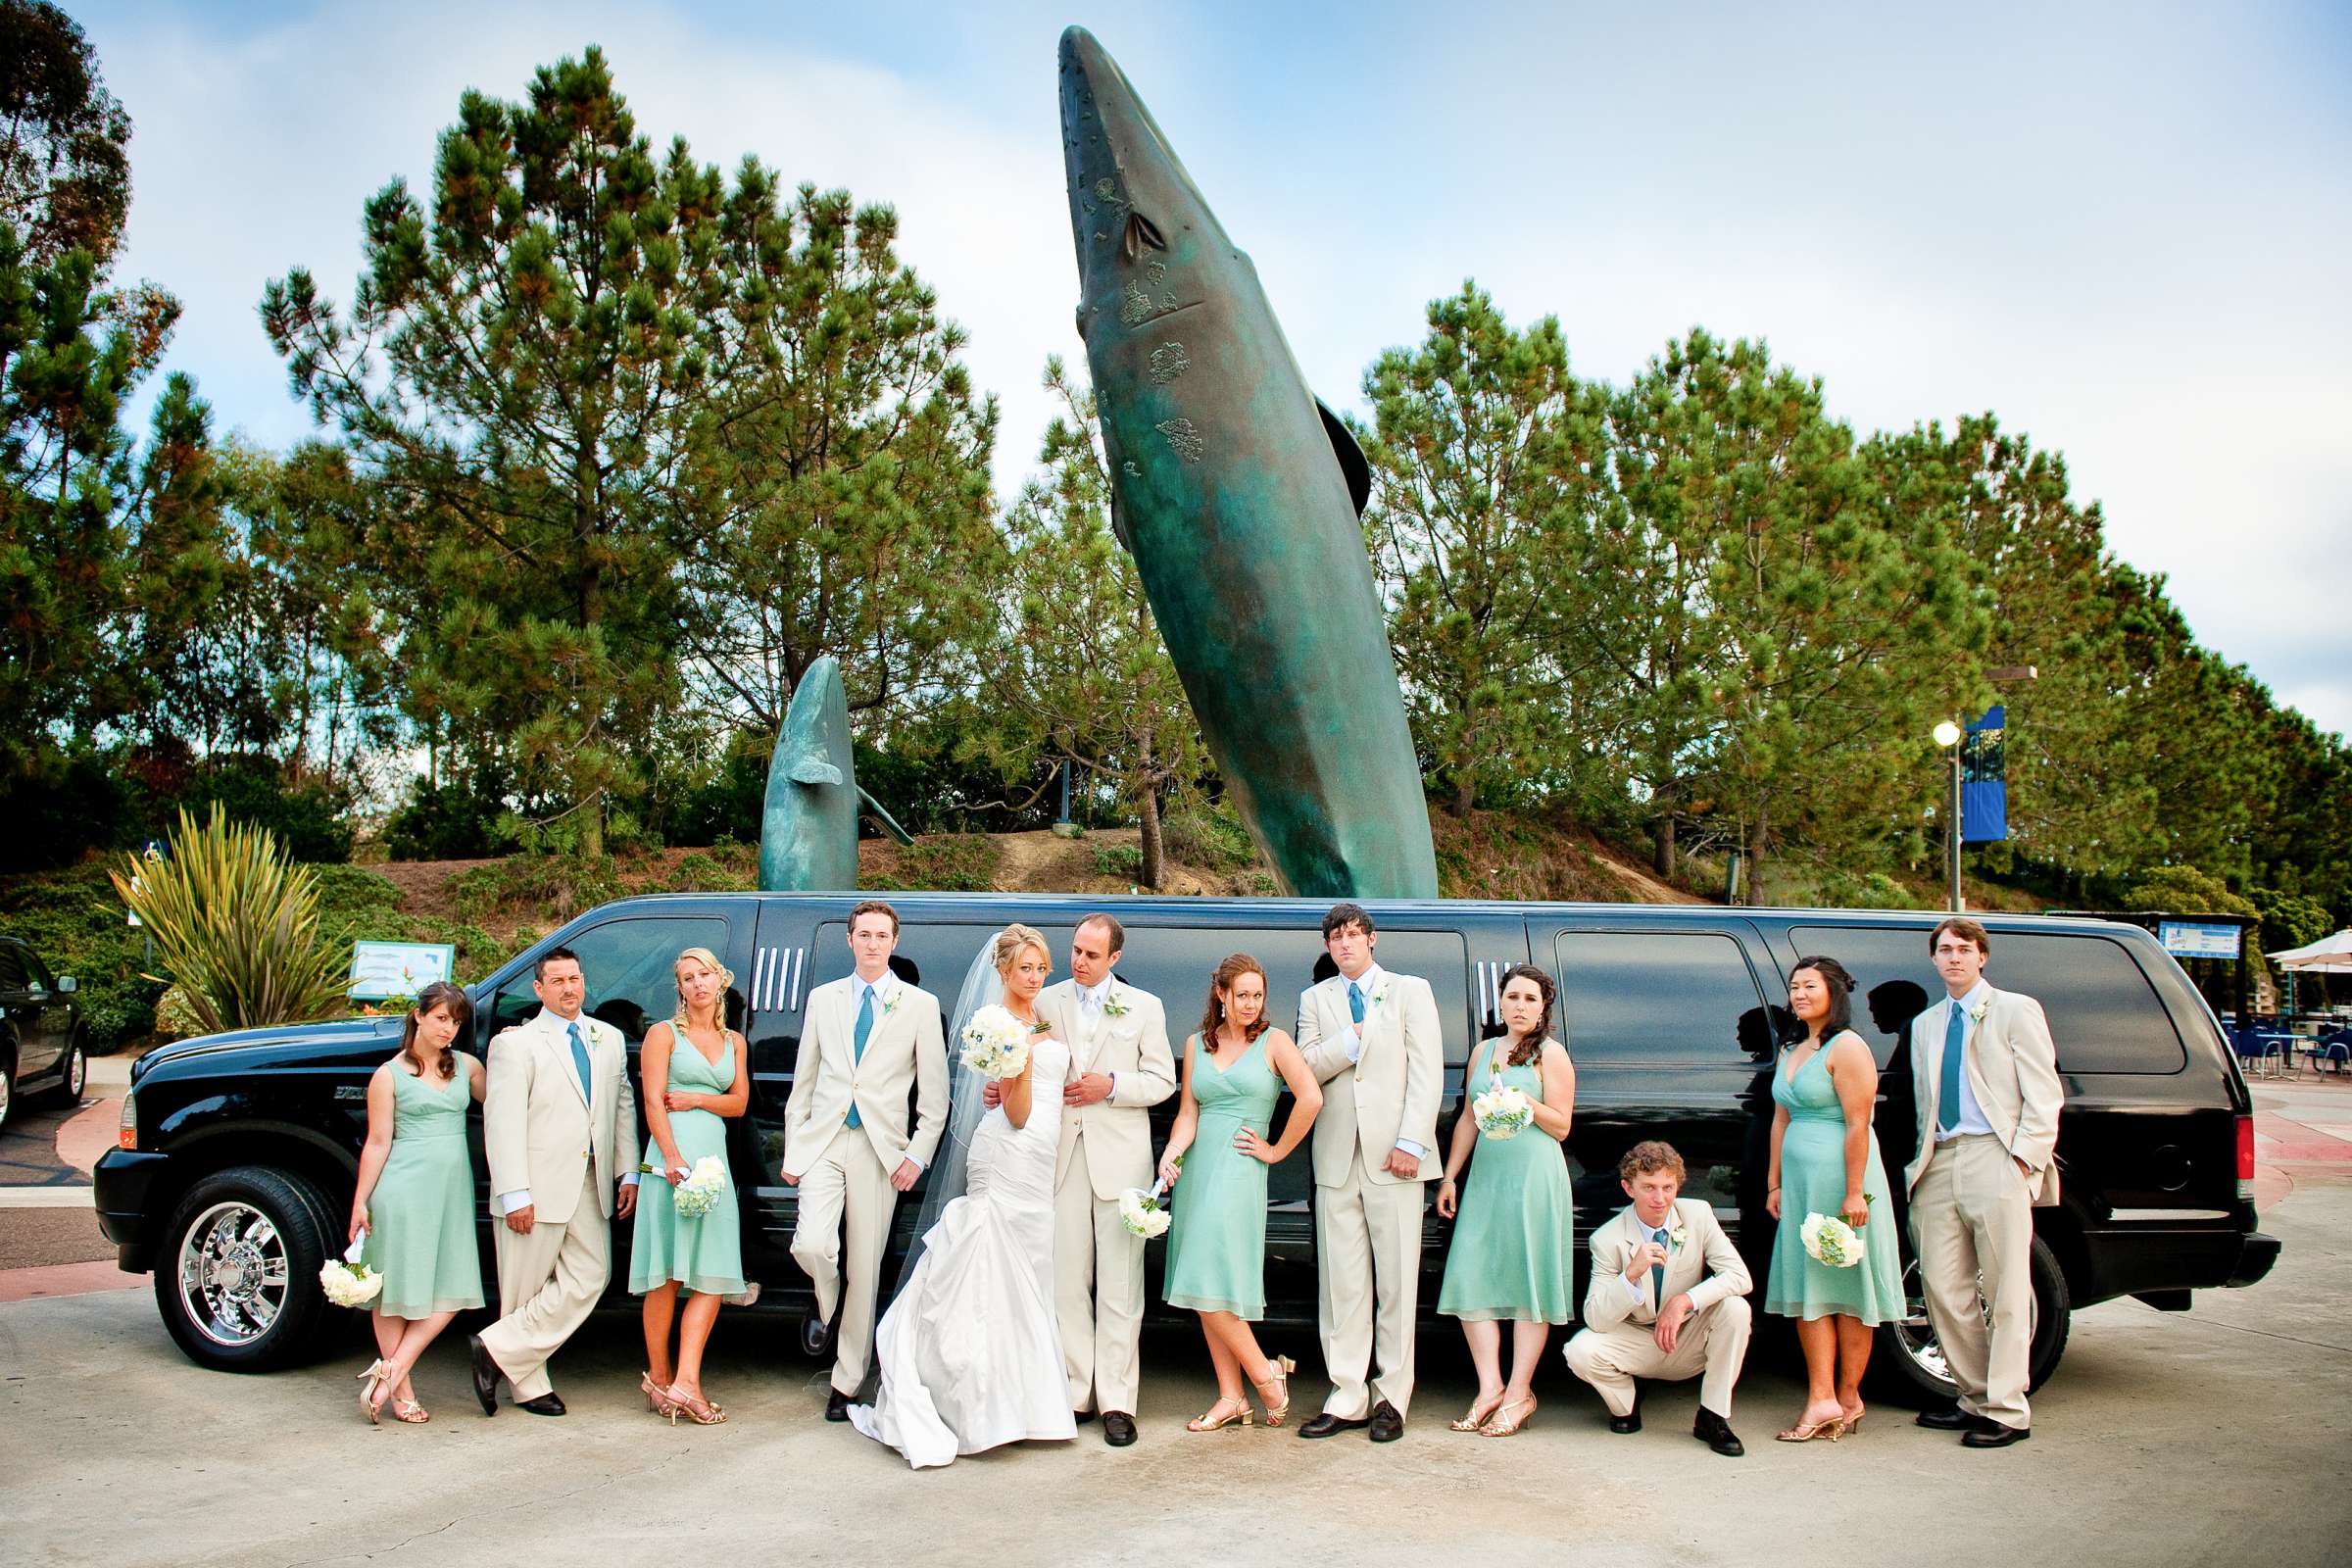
(1984, 780)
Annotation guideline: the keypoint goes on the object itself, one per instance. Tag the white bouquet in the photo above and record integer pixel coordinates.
(996, 1044)
(1832, 1240)
(1503, 1111)
(347, 1281)
(1141, 1212)
(693, 1197)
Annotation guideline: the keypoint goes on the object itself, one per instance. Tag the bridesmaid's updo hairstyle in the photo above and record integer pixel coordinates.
(1232, 969)
(726, 980)
(1842, 1004)
(1012, 942)
(440, 994)
(1528, 1045)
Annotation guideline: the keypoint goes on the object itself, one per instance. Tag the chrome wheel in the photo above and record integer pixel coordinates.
(232, 1273)
(77, 1071)
(1916, 1333)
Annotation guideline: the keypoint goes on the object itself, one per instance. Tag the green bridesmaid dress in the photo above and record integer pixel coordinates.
(1217, 1234)
(1514, 1230)
(704, 1253)
(421, 1217)
(1813, 1182)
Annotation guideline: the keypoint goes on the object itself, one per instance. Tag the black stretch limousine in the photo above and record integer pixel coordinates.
(238, 1153)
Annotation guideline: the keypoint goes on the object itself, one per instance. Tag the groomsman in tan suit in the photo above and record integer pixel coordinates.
(868, 1040)
(1668, 1301)
(1372, 1143)
(560, 1127)
(1985, 1073)
(1120, 1067)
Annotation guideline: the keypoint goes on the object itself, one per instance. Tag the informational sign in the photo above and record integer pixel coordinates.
(2197, 939)
(381, 969)
(1984, 780)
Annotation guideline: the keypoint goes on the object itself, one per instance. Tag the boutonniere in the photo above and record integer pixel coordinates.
(889, 1004)
(1380, 996)
(1113, 1006)
(1975, 1015)
(1677, 1233)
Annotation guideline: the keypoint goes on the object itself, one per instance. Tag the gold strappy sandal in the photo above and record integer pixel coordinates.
(1284, 1366)
(1480, 1413)
(1210, 1421)
(1503, 1425)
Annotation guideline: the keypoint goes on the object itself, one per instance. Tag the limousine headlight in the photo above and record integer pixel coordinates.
(126, 1133)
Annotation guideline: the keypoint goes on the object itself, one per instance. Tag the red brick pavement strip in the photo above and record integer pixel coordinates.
(2286, 1141)
(66, 1279)
(91, 1133)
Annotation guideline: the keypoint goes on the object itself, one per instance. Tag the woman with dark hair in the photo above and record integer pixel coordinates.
(1234, 1071)
(1826, 1162)
(415, 1201)
(1514, 1242)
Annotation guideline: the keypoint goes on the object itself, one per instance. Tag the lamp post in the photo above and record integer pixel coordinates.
(1948, 735)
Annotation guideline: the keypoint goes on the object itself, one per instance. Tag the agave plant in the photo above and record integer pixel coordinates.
(235, 924)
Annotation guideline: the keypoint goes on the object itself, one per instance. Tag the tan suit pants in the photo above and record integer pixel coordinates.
(549, 1280)
(1973, 1215)
(1098, 1292)
(1712, 1343)
(1368, 1263)
(846, 1181)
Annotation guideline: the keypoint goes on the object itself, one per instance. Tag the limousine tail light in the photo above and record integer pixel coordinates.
(2245, 1159)
(127, 1135)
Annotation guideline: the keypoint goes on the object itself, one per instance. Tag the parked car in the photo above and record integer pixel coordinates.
(239, 1152)
(44, 1048)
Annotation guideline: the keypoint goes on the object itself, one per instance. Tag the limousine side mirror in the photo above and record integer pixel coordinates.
(68, 985)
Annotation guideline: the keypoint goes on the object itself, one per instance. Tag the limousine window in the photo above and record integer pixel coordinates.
(628, 966)
(2104, 1015)
(1659, 999)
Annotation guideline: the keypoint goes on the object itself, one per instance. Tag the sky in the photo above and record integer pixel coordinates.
(2124, 230)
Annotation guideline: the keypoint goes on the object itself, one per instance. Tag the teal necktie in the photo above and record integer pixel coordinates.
(1658, 1277)
(1948, 1098)
(1355, 1001)
(579, 1060)
(866, 1027)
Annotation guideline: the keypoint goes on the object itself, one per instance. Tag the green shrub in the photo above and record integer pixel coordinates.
(726, 867)
(956, 862)
(309, 822)
(1122, 860)
(74, 921)
(454, 822)
(548, 888)
(1210, 836)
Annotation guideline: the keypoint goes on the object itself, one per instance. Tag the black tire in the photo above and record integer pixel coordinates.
(236, 1278)
(72, 1073)
(1907, 1365)
(8, 1080)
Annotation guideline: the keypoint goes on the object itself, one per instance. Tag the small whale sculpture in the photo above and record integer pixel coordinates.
(808, 828)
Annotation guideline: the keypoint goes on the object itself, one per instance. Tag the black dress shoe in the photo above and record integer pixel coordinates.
(837, 1405)
(1386, 1425)
(1628, 1424)
(1993, 1435)
(1327, 1425)
(816, 1336)
(1082, 1418)
(548, 1403)
(1947, 1418)
(1119, 1427)
(485, 1375)
(1717, 1433)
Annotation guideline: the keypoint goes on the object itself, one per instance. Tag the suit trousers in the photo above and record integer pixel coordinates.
(1368, 1264)
(1973, 1215)
(1098, 1292)
(847, 1182)
(1712, 1343)
(549, 1280)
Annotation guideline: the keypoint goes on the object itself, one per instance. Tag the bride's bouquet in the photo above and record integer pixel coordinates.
(693, 1197)
(1832, 1240)
(347, 1281)
(1503, 1111)
(996, 1044)
(1141, 1212)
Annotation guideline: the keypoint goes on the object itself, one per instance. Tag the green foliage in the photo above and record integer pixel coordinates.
(452, 821)
(65, 166)
(1122, 860)
(727, 867)
(2185, 890)
(235, 924)
(307, 819)
(1207, 834)
(74, 921)
(547, 888)
(2290, 920)
(958, 862)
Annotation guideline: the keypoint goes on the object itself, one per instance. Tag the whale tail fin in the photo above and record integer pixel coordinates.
(888, 823)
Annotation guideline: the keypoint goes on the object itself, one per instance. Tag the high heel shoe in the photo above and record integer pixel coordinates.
(1210, 1421)
(1503, 1425)
(411, 1411)
(1480, 1409)
(1832, 1429)
(657, 1396)
(1853, 1421)
(699, 1411)
(371, 1402)
(1284, 1366)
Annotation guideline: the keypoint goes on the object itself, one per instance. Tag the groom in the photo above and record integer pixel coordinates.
(867, 1040)
(1984, 1074)
(1378, 1032)
(1120, 1067)
(560, 1127)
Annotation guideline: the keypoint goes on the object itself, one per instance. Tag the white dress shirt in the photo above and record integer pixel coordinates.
(521, 1198)
(1650, 1233)
(1369, 983)
(1971, 1115)
(859, 985)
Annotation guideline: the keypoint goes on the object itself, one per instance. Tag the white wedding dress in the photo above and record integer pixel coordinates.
(970, 1353)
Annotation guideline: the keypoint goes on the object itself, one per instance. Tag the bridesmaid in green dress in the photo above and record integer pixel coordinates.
(695, 1076)
(1513, 1258)
(1824, 1160)
(1234, 1071)
(415, 1200)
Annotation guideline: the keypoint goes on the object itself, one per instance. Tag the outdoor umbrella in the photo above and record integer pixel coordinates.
(2327, 955)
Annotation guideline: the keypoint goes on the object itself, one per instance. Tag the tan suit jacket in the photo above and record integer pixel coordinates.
(2012, 1070)
(1134, 1049)
(541, 1132)
(1706, 1265)
(904, 1051)
(1390, 1092)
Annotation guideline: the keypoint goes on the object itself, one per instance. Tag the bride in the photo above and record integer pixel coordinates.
(969, 1352)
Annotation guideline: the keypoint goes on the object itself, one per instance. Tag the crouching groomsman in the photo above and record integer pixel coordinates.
(1668, 1301)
